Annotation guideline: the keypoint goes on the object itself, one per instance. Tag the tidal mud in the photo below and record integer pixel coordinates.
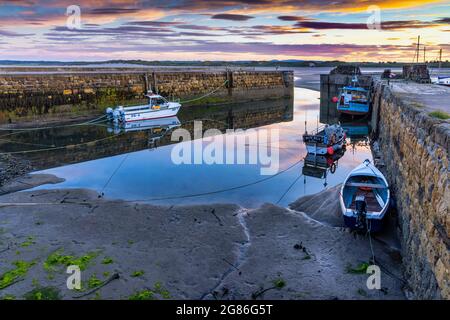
(221, 251)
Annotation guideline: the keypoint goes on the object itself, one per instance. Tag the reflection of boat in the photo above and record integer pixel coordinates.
(355, 129)
(164, 124)
(364, 198)
(325, 140)
(317, 166)
(353, 99)
(156, 128)
(157, 107)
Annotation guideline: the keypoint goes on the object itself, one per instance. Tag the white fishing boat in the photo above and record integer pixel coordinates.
(157, 107)
(325, 140)
(444, 81)
(364, 198)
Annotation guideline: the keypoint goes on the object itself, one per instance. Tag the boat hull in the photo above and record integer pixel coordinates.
(151, 114)
(323, 149)
(374, 225)
(352, 112)
(375, 194)
(353, 108)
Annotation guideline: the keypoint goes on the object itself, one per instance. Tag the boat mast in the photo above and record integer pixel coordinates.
(418, 48)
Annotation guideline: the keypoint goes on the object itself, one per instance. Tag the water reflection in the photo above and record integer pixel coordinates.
(150, 175)
(318, 166)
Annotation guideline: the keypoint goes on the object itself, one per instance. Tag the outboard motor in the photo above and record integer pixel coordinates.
(109, 114)
(361, 211)
(121, 113)
(116, 115)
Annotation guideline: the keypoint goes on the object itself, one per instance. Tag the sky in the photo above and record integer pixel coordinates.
(95, 30)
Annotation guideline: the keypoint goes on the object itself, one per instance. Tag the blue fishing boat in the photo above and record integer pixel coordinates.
(325, 140)
(364, 198)
(353, 100)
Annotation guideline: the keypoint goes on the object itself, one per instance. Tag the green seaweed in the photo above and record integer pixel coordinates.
(142, 295)
(21, 269)
(35, 283)
(8, 297)
(161, 290)
(28, 242)
(107, 260)
(56, 259)
(137, 273)
(440, 115)
(147, 294)
(279, 283)
(360, 269)
(94, 282)
(43, 293)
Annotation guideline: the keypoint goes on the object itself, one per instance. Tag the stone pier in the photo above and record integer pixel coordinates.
(414, 144)
(30, 93)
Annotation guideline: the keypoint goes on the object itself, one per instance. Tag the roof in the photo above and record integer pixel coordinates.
(152, 96)
(355, 89)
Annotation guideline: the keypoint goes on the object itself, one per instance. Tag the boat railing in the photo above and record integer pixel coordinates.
(317, 130)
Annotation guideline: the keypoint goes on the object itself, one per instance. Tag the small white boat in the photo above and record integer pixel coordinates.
(325, 140)
(364, 198)
(157, 107)
(443, 81)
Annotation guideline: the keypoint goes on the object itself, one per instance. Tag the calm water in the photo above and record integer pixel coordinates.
(151, 176)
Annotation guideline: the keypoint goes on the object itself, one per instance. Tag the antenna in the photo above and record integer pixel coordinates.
(306, 116)
(424, 53)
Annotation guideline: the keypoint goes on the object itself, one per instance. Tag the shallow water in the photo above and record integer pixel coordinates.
(150, 175)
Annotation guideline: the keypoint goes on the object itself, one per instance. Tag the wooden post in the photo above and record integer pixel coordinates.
(155, 84)
(418, 48)
(145, 83)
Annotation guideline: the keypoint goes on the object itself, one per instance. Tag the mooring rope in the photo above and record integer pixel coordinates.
(53, 127)
(288, 189)
(115, 171)
(70, 146)
(168, 197)
(206, 95)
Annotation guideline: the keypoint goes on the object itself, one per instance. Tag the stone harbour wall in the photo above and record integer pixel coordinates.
(32, 94)
(415, 159)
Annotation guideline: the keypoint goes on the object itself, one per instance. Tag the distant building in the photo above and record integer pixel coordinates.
(417, 72)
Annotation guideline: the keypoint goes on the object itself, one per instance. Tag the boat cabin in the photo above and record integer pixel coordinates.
(354, 95)
(156, 101)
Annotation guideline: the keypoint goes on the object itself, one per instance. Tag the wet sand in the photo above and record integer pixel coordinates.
(219, 251)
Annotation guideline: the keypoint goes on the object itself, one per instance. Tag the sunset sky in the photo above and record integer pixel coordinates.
(223, 30)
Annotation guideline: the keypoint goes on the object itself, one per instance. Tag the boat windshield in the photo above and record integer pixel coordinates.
(157, 101)
(359, 96)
